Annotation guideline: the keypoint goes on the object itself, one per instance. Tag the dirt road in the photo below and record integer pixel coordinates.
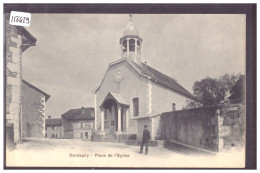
(83, 153)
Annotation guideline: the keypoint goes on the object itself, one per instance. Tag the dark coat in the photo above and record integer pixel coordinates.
(146, 136)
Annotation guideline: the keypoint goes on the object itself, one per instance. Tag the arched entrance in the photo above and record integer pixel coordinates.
(114, 115)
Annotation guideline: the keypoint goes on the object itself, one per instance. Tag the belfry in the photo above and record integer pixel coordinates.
(131, 43)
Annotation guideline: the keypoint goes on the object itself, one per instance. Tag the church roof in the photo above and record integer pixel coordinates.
(163, 79)
(156, 76)
(79, 114)
(119, 99)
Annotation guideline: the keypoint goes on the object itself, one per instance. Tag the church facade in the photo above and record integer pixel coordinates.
(132, 90)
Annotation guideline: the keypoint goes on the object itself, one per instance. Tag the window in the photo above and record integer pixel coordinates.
(135, 106)
(53, 127)
(81, 135)
(173, 106)
(132, 45)
(124, 46)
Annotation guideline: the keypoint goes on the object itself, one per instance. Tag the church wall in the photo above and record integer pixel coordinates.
(131, 85)
(164, 97)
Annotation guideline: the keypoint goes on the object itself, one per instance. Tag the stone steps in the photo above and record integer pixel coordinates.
(109, 138)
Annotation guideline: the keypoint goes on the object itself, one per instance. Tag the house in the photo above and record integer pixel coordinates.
(17, 40)
(78, 123)
(131, 91)
(53, 128)
(33, 111)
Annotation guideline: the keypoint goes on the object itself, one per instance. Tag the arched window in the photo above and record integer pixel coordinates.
(132, 45)
(135, 106)
(124, 46)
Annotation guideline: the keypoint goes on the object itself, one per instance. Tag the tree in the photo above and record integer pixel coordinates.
(192, 104)
(227, 81)
(211, 91)
(237, 92)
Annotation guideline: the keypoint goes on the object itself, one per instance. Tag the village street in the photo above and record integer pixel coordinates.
(84, 153)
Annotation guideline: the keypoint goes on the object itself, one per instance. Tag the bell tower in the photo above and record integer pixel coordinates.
(131, 43)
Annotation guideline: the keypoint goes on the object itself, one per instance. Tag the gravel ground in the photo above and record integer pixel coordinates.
(83, 153)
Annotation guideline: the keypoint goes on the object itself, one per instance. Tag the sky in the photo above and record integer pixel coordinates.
(73, 51)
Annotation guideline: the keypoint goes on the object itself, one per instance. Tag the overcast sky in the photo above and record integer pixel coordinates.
(73, 51)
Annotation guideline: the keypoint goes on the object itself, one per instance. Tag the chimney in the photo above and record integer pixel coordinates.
(49, 116)
(145, 63)
(173, 106)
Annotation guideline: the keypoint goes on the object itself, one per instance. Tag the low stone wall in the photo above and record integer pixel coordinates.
(216, 128)
(231, 127)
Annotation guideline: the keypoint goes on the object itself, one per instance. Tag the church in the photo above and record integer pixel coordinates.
(132, 92)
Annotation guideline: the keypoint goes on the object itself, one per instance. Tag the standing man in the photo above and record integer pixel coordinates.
(145, 140)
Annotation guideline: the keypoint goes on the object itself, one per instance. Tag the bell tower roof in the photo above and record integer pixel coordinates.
(130, 29)
(131, 43)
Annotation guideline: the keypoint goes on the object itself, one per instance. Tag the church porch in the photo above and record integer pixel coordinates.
(114, 120)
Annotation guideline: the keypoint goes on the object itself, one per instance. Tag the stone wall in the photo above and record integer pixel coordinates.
(231, 127)
(33, 108)
(13, 60)
(215, 128)
(17, 40)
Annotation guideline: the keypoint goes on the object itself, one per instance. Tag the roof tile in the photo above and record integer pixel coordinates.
(79, 114)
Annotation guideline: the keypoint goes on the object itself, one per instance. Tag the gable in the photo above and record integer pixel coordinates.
(47, 96)
(129, 73)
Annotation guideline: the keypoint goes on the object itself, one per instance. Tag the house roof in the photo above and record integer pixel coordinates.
(79, 114)
(53, 121)
(27, 38)
(47, 96)
(156, 76)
